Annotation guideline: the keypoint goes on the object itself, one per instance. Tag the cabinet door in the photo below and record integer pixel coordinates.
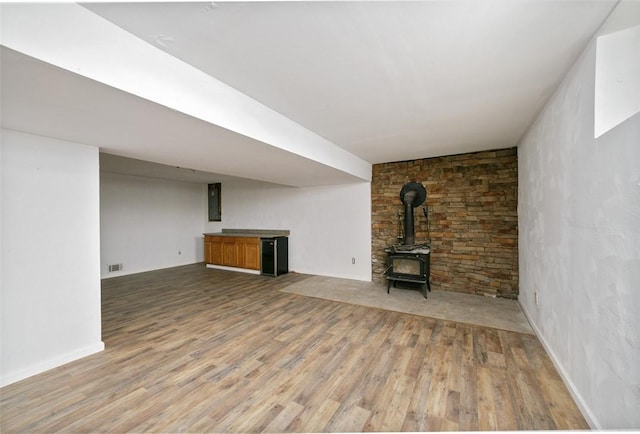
(240, 248)
(230, 254)
(252, 255)
(215, 252)
(207, 250)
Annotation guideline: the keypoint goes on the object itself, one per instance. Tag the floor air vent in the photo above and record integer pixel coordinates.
(115, 267)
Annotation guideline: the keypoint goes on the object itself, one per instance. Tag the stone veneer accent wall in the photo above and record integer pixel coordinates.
(472, 201)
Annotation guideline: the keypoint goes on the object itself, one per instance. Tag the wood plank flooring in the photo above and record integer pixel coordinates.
(191, 349)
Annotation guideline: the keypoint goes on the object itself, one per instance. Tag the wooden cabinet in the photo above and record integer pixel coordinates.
(207, 250)
(215, 255)
(230, 250)
(212, 250)
(241, 252)
(251, 257)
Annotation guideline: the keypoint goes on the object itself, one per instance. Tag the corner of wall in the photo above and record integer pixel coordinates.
(573, 390)
(54, 362)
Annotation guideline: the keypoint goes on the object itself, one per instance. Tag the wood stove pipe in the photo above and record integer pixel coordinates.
(413, 194)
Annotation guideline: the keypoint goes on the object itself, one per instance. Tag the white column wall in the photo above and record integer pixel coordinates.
(579, 246)
(50, 254)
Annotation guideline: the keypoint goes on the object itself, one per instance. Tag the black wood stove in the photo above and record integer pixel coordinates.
(409, 262)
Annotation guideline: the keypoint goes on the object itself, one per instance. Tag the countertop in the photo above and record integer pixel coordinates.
(253, 233)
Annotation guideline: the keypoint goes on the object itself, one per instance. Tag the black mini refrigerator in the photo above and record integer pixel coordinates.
(275, 256)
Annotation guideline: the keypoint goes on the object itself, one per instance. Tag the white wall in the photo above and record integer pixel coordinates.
(50, 247)
(146, 221)
(329, 225)
(149, 223)
(579, 245)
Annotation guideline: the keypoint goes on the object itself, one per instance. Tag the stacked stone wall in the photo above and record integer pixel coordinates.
(472, 201)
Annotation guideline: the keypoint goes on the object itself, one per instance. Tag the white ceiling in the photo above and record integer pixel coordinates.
(385, 81)
(46, 100)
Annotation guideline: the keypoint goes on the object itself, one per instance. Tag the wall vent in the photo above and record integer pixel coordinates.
(115, 267)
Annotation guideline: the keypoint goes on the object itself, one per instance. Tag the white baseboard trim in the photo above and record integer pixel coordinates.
(14, 377)
(573, 390)
(241, 270)
(128, 272)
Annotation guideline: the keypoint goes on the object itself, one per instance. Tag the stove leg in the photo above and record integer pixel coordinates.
(388, 285)
(424, 290)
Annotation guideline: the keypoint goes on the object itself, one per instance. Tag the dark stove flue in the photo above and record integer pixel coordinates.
(413, 194)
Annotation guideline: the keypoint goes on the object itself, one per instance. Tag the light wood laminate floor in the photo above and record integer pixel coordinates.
(202, 350)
